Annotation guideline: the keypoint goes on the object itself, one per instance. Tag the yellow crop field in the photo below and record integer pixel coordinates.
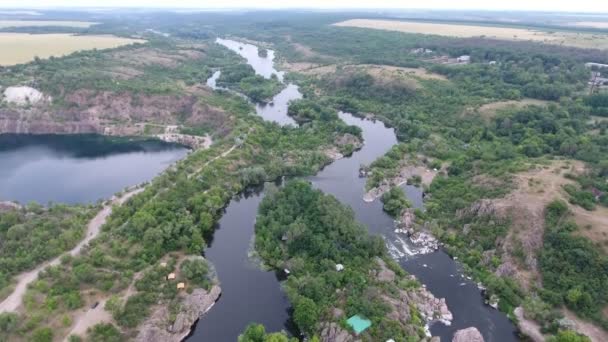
(20, 48)
(40, 23)
(582, 40)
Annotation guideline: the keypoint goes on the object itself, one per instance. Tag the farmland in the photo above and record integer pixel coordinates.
(580, 40)
(23, 47)
(41, 23)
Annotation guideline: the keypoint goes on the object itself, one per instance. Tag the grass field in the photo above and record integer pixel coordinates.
(38, 23)
(20, 48)
(582, 40)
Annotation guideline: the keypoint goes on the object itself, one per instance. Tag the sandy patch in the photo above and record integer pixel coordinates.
(593, 225)
(525, 206)
(528, 327)
(582, 40)
(388, 69)
(489, 110)
(588, 329)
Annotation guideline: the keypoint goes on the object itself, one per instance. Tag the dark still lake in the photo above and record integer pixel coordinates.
(77, 168)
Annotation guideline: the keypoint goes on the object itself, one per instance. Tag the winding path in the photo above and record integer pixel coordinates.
(13, 301)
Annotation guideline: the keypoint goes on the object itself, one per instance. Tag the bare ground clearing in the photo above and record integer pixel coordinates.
(489, 110)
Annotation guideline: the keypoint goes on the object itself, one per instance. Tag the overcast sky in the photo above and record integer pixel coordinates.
(548, 5)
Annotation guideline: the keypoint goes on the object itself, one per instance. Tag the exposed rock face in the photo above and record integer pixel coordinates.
(6, 206)
(406, 172)
(332, 332)
(483, 207)
(111, 113)
(385, 274)
(158, 327)
(430, 308)
(468, 335)
(23, 95)
(408, 218)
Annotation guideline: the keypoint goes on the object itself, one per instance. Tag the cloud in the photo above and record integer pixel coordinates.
(546, 5)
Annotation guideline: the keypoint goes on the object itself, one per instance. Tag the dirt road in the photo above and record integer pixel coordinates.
(13, 301)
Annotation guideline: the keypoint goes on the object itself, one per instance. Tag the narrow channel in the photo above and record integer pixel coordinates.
(253, 295)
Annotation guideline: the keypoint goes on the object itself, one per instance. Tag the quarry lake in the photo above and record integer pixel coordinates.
(77, 168)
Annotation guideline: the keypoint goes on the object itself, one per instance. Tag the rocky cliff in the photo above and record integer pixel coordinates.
(160, 328)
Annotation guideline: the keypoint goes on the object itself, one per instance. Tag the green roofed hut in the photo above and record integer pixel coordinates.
(359, 324)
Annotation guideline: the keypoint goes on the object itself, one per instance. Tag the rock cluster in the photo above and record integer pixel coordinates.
(332, 332)
(158, 327)
(468, 335)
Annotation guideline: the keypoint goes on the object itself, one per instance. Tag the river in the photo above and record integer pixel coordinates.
(251, 294)
(77, 168)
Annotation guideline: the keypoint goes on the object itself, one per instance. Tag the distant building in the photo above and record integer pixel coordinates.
(492, 63)
(464, 59)
(596, 65)
(181, 286)
(359, 323)
(420, 51)
(171, 276)
(339, 267)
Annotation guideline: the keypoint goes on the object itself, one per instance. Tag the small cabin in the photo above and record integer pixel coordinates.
(464, 59)
(181, 286)
(171, 276)
(339, 267)
(359, 324)
(163, 264)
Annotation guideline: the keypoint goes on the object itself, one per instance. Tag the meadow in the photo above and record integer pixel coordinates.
(20, 48)
(575, 39)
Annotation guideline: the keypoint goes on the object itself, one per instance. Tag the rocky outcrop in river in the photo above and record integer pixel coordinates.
(159, 328)
(430, 308)
(468, 335)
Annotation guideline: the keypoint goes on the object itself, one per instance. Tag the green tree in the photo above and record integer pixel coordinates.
(306, 315)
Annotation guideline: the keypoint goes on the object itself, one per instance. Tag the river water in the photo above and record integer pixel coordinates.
(77, 168)
(251, 294)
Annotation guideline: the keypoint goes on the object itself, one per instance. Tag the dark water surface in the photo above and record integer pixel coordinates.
(249, 294)
(253, 295)
(77, 168)
(276, 110)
